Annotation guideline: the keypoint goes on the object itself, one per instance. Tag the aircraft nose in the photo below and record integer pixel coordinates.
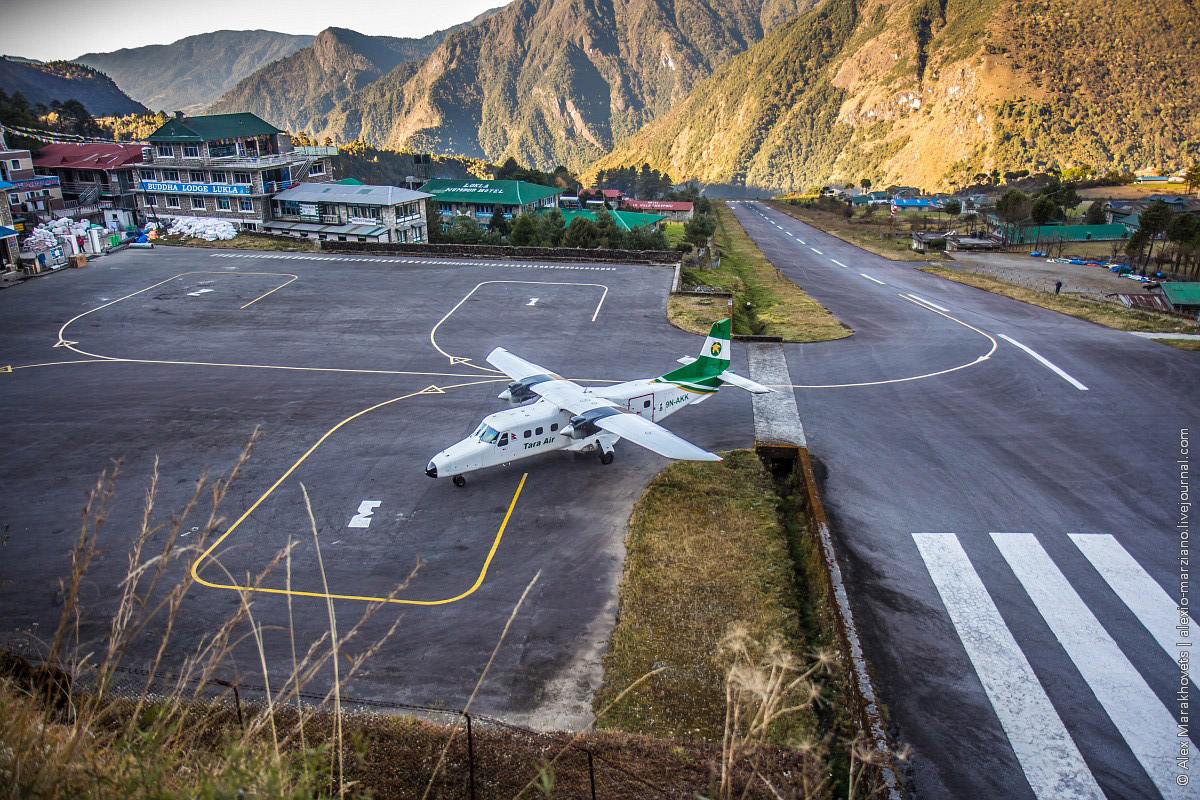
(432, 470)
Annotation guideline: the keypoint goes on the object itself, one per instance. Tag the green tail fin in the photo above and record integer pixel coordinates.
(701, 374)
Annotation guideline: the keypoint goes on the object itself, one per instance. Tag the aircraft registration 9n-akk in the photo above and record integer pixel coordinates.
(567, 416)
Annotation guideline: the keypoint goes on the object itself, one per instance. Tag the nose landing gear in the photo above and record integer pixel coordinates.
(459, 481)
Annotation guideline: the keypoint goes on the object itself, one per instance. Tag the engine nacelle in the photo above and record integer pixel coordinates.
(521, 391)
(579, 428)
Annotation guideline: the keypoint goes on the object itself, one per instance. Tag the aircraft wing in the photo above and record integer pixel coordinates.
(606, 415)
(653, 436)
(516, 367)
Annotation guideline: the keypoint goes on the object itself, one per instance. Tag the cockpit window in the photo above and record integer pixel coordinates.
(489, 434)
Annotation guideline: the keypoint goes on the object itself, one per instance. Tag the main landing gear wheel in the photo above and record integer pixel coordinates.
(459, 481)
(606, 458)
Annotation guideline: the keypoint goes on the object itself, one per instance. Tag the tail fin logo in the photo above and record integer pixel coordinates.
(715, 349)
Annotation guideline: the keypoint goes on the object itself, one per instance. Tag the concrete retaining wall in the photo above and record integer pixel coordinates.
(487, 251)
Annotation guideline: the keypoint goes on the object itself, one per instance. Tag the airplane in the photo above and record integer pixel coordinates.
(567, 416)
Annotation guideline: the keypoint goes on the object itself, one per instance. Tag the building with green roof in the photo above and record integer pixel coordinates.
(478, 199)
(1183, 297)
(626, 220)
(224, 166)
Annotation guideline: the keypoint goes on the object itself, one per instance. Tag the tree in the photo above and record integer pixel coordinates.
(582, 233)
(1153, 221)
(464, 230)
(1192, 176)
(1042, 210)
(865, 183)
(952, 207)
(698, 229)
(525, 232)
(553, 228)
(498, 222)
(995, 176)
(609, 230)
(1013, 208)
(1095, 214)
(1182, 230)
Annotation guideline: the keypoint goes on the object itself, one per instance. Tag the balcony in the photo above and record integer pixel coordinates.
(230, 162)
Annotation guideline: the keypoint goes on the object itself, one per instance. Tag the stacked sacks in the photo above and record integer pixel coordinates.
(46, 236)
(202, 228)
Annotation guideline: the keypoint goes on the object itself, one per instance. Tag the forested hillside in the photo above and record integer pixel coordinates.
(189, 74)
(60, 81)
(934, 92)
(554, 81)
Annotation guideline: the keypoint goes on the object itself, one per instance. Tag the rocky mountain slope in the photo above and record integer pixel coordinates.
(193, 72)
(298, 92)
(934, 92)
(62, 81)
(553, 81)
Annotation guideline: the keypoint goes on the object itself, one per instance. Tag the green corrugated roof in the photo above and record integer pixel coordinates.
(1072, 233)
(1182, 294)
(350, 182)
(509, 193)
(626, 220)
(210, 127)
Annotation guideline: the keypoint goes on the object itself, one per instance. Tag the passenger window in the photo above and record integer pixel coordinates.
(528, 434)
(538, 432)
(646, 404)
(553, 427)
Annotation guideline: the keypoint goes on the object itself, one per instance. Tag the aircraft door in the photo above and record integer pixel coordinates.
(643, 406)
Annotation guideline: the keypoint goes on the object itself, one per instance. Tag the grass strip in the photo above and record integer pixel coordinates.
(1110, 316)
(1182, 344)
(706, 550)
(858, 232)
(765, 301)
(247, 241)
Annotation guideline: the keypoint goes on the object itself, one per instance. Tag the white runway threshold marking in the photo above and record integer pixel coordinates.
(363, 518)
(1047, 754)
(868, 277)
(1144, 722)
(1045, 363)
(1148, 601)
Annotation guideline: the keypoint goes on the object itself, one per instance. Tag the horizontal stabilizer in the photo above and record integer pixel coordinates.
(744, 383)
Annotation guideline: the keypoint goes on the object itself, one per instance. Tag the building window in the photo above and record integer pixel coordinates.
(85, 175)
(164, 151)
(191, 151)
(198, 203)
(197, 177)
(149, 175)
(13, 199)
(222, 204)
(15, 163)
(318, 168)
(219, 177)
(241, 177)
(245, 205)
(151, 200)
(172, 201)
(170, 175)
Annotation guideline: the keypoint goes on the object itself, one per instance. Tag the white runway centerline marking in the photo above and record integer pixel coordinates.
(1045, 363)
(920, 299)
(1145, 598)
(1143, 721)
(815, 250)
(1049, 757)
(840, 264)
(868, 277)
(363, 518)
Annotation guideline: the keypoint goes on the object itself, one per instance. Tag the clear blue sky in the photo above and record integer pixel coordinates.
(64, 29)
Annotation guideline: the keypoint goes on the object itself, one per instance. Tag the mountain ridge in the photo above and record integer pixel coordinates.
(45, 83)
(189, 73)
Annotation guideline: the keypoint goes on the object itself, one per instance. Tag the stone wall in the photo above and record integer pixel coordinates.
(483, 251)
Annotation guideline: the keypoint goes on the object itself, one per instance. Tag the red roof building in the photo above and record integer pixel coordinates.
(669, 208)
(94, 177)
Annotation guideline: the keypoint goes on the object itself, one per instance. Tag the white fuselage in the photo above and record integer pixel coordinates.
(537, 427)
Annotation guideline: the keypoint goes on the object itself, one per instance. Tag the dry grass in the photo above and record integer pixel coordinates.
(766, 302)
(1110, 316)
(706, 549)
(246, 240)
(1182, 344)
(696, 314)
(872, 236)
